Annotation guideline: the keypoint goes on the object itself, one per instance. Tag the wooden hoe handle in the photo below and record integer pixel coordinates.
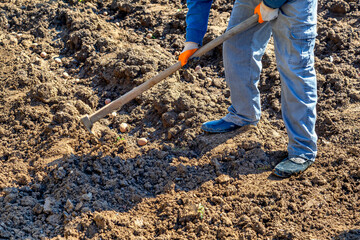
(88, 121)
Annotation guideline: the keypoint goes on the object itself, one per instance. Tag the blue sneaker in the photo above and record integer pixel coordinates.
(291, 166)
(219, 126)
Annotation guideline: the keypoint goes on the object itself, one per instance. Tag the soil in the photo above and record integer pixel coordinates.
(59, 182)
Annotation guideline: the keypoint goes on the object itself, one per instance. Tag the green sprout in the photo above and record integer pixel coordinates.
(120, 139)
(153, 37)
(201, 211)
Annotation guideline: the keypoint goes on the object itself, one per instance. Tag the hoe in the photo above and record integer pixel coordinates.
(89, 120)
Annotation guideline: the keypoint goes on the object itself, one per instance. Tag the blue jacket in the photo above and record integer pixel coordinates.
(198, 15)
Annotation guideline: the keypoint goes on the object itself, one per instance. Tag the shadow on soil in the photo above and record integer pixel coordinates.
(353, 234)
(103, 180)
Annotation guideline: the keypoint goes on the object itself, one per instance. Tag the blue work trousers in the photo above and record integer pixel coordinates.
(294, 33)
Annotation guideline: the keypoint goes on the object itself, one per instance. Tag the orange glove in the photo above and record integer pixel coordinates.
(189, 49)
(266, 13)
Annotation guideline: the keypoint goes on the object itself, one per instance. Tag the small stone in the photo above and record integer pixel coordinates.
(117, 24)
(113, 114)
(198, 68)
(34, 45)
(124, 127)
(7, 26)
(142, 141)
(69, 206)
(43, 54)
(19, 35)
(217, 83)
(48, 205)
(86, 197)
(58, 60)
(107, 101)
(207, 82)
(65, 75)
(331, 59)
(106, 13)
(325, 142)
(222, 179)
(149, 36)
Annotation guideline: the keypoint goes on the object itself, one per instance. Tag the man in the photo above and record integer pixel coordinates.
(293, 26)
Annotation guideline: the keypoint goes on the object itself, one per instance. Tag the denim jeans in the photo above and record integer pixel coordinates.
(294, 33)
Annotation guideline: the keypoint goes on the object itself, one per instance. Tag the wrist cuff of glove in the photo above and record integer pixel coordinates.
(190, 45)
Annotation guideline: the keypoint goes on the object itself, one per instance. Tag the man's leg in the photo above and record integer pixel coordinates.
(242, 60)
(294, 36)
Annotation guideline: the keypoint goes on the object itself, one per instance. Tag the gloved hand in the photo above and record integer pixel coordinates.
(266, 13)
(189, 49)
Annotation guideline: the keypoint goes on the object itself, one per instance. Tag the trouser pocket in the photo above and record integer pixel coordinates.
(303, 42)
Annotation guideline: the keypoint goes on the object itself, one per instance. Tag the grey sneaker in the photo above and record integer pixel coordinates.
(291, 166)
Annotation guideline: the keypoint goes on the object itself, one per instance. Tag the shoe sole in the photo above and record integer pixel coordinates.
(217, 131)
(294, 174)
